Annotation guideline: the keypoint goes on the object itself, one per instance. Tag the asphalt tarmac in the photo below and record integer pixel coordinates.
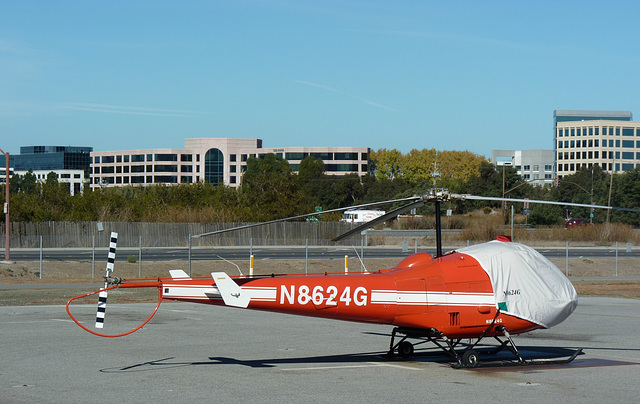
(192, 353)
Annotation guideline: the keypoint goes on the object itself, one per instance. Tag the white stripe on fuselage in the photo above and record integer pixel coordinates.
(404, 297)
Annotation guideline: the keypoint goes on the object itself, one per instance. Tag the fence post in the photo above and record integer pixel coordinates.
(306, 256)
(616, 258)
(567, 260)
(93, 256)
(40, 257)
(189, 254)
(140, 257)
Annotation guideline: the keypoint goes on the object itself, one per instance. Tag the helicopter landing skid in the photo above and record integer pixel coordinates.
(528, 362)
(470, 357)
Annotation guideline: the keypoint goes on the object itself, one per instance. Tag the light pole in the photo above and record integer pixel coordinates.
(7, 255)
(585, 190)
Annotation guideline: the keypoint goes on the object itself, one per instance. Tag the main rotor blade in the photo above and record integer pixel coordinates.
(584, 205)
(381, 219)
(247, 226)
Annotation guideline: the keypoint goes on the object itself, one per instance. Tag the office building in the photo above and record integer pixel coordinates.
(52, 158)
(582, 139)
(535, 166)
(212, 160)
(69, 163)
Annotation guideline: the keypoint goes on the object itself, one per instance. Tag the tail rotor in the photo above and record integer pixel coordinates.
(102, 296)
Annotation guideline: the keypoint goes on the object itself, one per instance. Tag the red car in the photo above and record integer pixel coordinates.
(576, 223)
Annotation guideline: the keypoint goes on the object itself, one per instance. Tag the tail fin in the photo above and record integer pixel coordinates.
(178, 274)
(231, 293)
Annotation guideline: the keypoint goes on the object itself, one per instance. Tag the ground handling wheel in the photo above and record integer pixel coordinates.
(405, 349)
(470, 359)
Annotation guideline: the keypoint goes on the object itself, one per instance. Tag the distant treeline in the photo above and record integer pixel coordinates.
(271, 190)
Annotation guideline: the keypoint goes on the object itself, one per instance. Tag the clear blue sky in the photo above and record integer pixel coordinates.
(450, 75)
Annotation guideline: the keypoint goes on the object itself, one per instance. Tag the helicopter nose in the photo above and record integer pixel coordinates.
(562, 303)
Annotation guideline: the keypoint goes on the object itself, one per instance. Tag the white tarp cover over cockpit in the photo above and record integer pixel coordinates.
(525, 283)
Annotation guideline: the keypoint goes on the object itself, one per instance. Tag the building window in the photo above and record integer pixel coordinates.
(295, 156)
(166, 157)
(214, 166)
(166, 168)
(166, 179)
(346, 156)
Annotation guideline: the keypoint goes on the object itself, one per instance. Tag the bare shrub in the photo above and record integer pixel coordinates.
(483, 228)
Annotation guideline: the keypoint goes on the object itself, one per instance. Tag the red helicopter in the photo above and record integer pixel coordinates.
(495, 289)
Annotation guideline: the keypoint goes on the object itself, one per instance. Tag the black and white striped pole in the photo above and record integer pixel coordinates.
(102, 296)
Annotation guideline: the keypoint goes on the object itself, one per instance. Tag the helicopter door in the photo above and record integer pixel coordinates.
(411, 296)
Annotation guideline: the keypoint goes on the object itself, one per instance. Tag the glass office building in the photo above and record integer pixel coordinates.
(71, 164)
(53, 158)
(582, 139)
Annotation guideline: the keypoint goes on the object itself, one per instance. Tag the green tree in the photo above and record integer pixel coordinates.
(418, 165)
(386, 163)
(270, 190)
